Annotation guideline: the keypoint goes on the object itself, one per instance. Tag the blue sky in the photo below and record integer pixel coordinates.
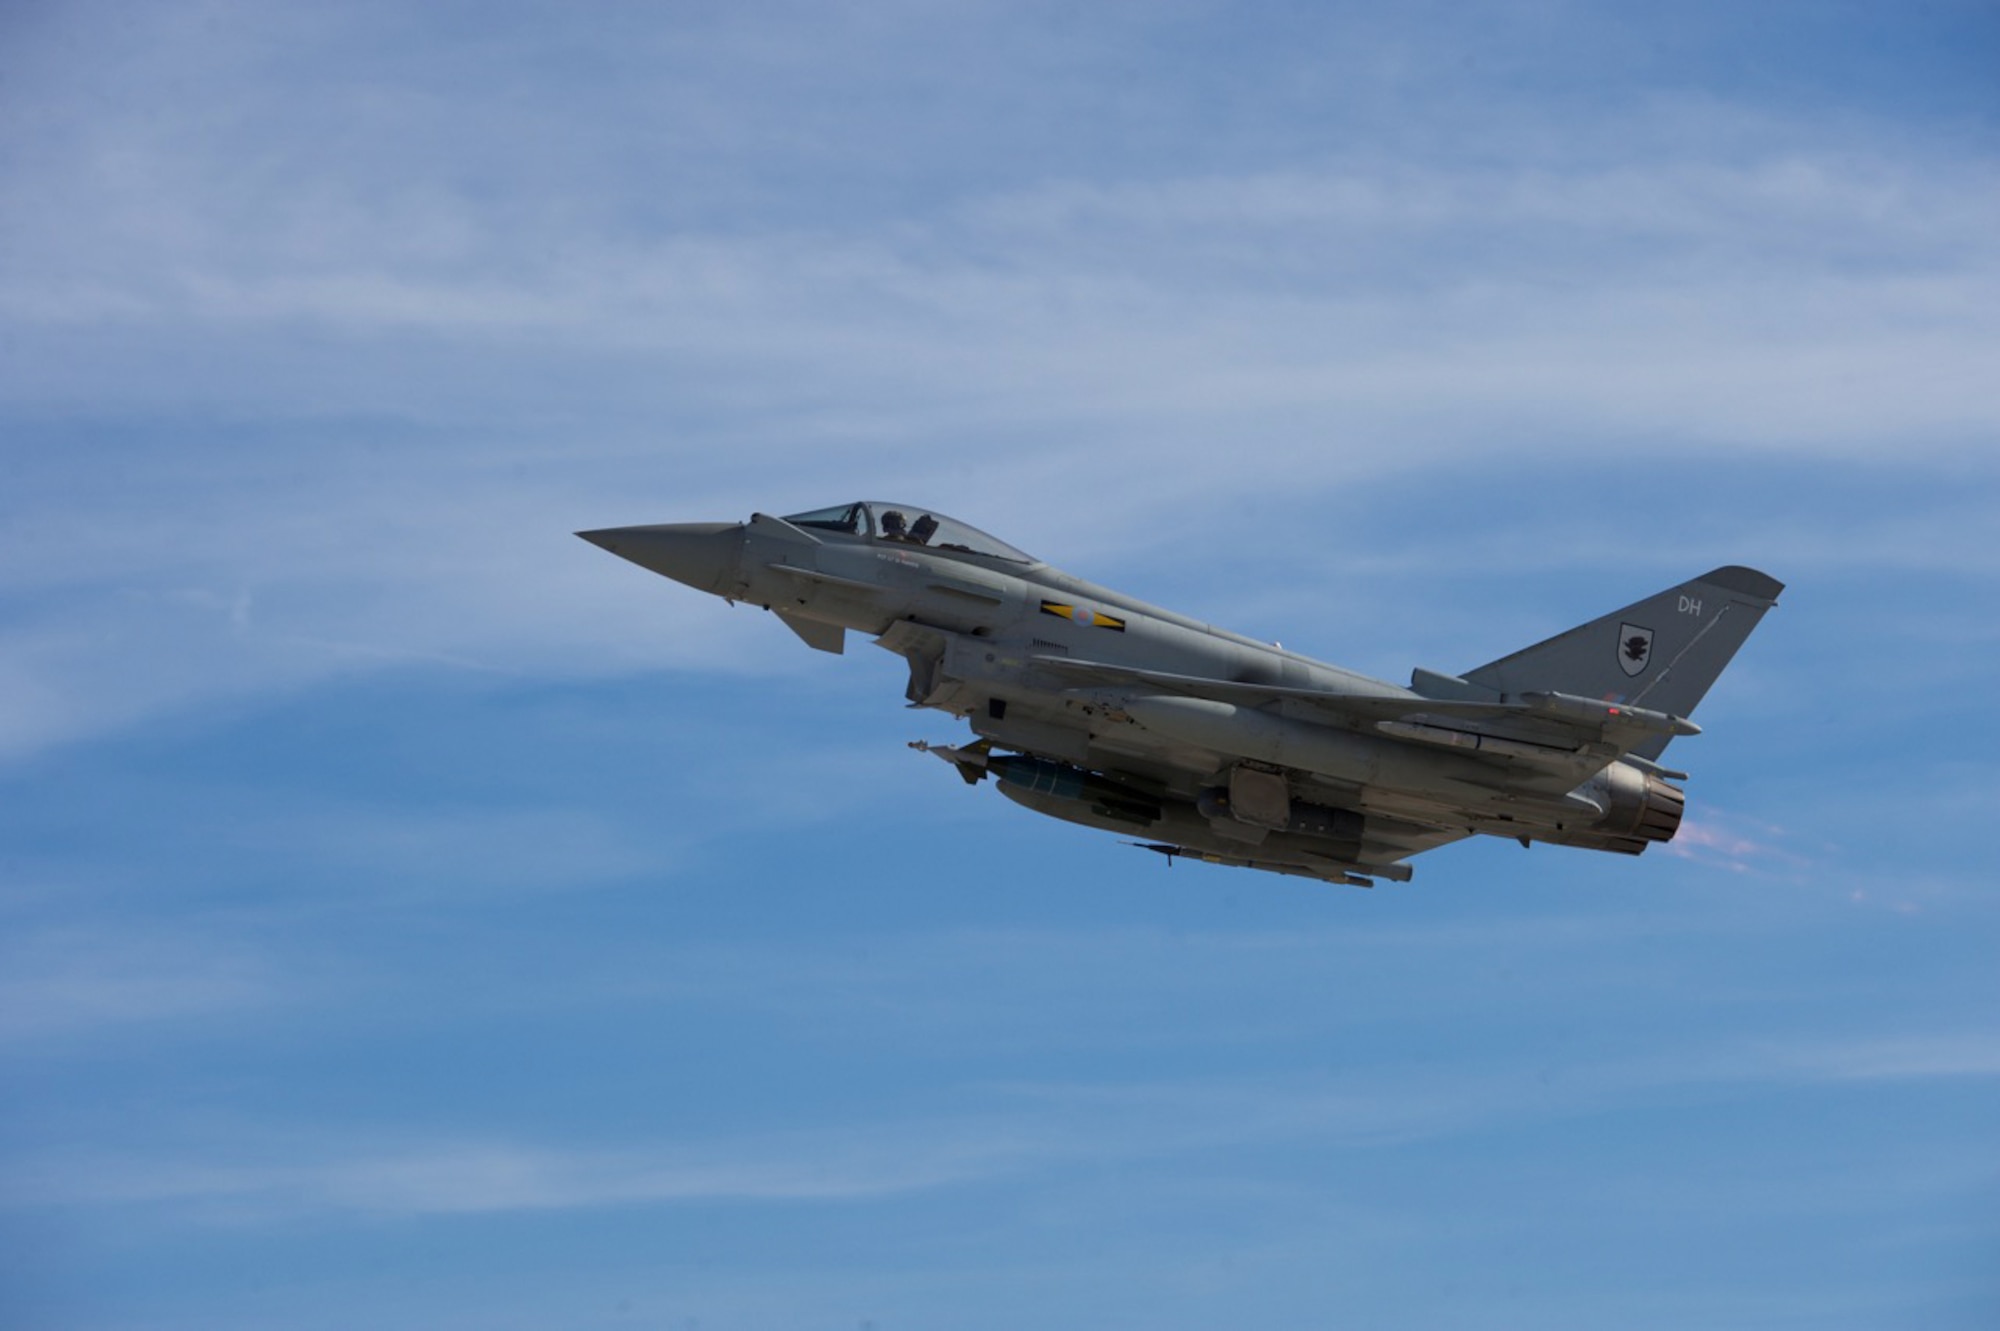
(412, 917)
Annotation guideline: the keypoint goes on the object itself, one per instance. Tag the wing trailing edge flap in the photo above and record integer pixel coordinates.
(1356, 706)
(1560, 723)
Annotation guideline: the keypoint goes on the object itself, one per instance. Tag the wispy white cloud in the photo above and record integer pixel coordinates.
(434, 850)
(1691, 311)
(464, 1177)
(1035, 1127)
(65, 981)
(323, 326)
(1912, 1058)
(1077, 345)
(454, 1174)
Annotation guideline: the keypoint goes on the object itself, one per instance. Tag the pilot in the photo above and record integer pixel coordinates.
(895, 526)
(923, 529)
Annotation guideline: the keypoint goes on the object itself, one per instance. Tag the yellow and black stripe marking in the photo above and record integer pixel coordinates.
(1082, 614)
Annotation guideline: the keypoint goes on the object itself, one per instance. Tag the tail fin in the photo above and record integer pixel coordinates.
(1661, 653)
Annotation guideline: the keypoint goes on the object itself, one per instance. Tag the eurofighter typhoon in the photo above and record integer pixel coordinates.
(1092, 706)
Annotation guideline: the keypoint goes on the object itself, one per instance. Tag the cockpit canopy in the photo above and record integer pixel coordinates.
(907, 524)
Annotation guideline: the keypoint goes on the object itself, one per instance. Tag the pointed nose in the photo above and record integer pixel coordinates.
(705, 555)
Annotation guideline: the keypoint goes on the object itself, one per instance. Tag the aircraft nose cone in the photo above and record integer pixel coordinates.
(704, 555)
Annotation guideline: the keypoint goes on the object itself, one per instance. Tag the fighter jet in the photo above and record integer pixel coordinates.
(1092, 706)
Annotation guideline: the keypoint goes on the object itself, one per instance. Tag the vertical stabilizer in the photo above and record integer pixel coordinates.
(1661, 653)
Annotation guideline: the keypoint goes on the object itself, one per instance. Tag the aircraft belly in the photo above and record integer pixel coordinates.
(1019, 729)
(1185, 779)
(1376, 777)
(1180, 824)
